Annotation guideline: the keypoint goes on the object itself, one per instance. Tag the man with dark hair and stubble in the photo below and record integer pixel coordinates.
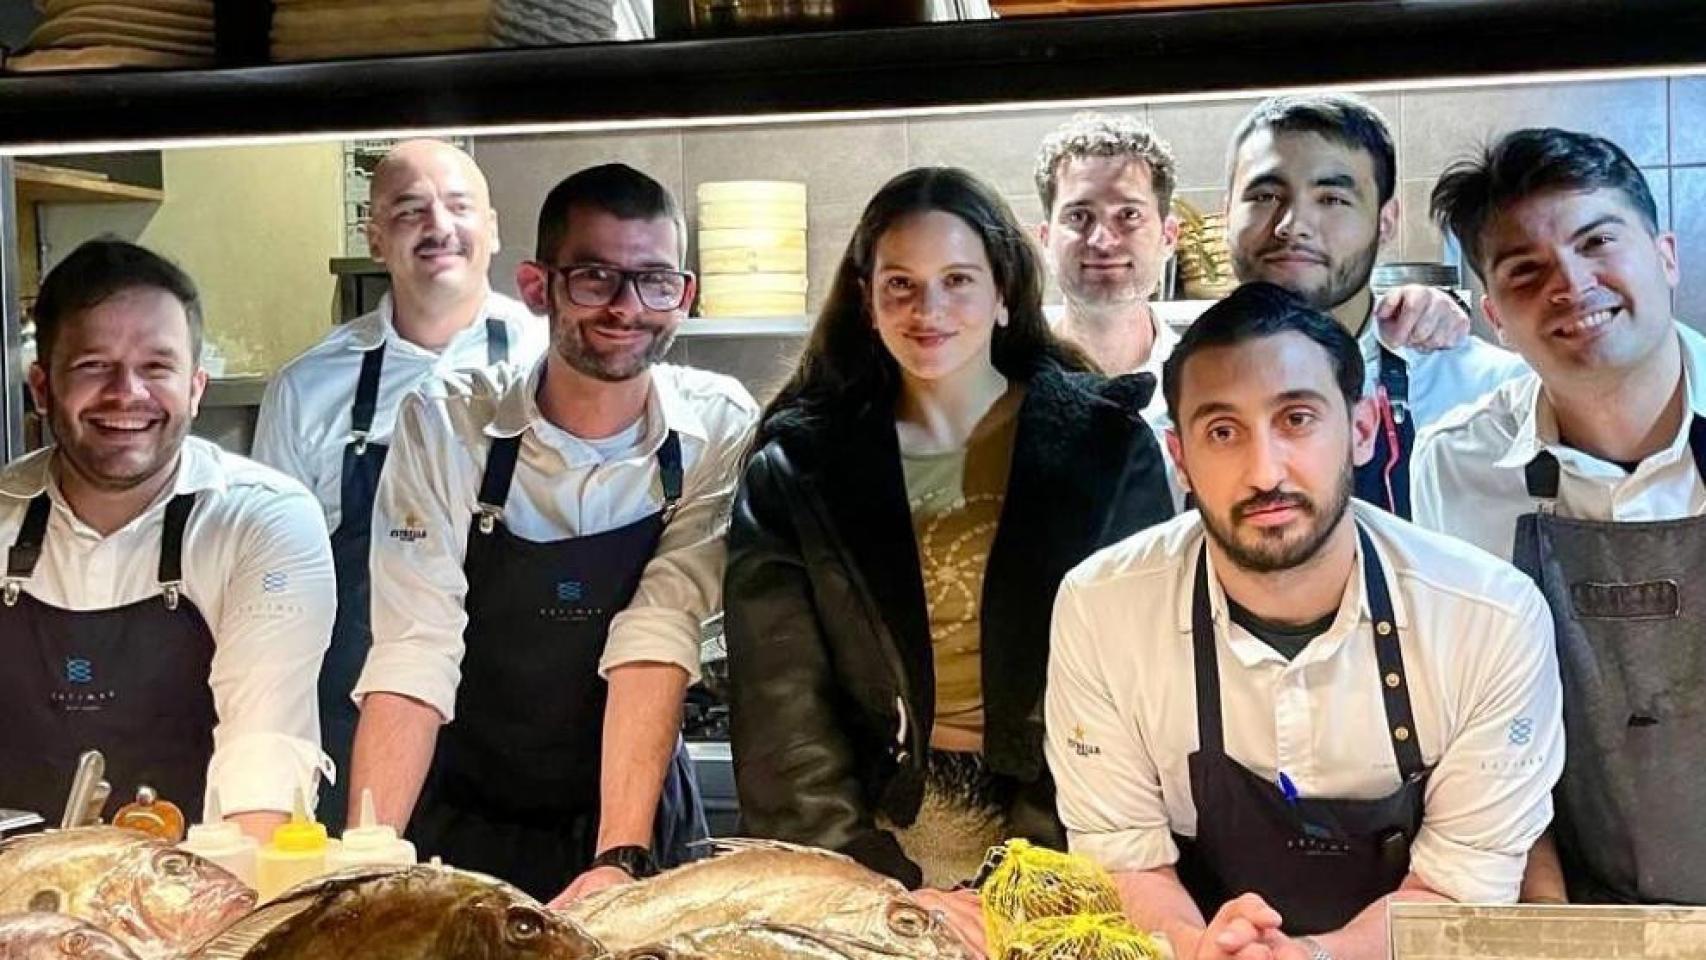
(1588, 474)
(164, 602)
(547, 541)
(1311, 199)
(1357, 679)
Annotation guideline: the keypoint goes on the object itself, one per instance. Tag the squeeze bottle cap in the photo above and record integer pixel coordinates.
(301, 834)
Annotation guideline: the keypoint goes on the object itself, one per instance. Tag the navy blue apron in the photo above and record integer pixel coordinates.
(514, 786)
(130, 681)
(1629, 607)
(1318, 861)
(352, 634)
(1385, 479)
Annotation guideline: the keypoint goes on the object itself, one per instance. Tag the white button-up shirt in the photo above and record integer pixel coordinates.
(1483, 683)
(1467, 475)
(563, 487)
(1443, 379)
(305, 416)
(256, 564)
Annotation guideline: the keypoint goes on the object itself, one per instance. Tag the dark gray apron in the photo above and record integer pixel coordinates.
(1319, 861)
(130, 682)
(351, 633)
(1631, 629)
(514, 786)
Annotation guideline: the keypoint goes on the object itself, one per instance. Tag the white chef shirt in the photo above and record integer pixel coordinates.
(1467, 474)
(305, 415)
(1483, 682)
(256, 564)
(1442, 379)
(563, 487)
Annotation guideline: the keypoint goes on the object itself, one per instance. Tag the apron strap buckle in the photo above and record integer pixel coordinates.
(171, 590)
(359, 438)
(489, 517)
(10, 594)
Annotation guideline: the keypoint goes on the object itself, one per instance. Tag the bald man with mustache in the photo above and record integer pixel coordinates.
(328, 415)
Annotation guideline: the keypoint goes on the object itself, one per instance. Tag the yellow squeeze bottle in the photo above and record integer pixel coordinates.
(223, 842)
(370, 844)
(296, 853)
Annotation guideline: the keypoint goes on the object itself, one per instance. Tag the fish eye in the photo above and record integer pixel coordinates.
(524, 923)
(174, 864)
(47, 900)
(909, 920)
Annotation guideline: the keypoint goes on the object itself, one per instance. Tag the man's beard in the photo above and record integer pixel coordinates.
(1272, 552)
(114, 472)
(611, 366)
(1344, 280)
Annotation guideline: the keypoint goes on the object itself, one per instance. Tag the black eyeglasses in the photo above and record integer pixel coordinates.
(594, 285)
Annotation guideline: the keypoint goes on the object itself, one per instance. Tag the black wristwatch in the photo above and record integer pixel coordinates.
(636, 862)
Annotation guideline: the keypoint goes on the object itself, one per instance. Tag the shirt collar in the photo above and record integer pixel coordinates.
(1537, 430)
(1160, 348)
(518, 407)
(1354, 617)
(199, 469)
(380, 325)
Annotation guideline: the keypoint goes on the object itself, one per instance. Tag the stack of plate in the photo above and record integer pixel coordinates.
(327, 29)
(543, 23)
(95, 34)
(752, 249)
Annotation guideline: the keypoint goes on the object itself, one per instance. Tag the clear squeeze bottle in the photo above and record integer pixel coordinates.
(371, 843)
(223, 842)
(296, 853)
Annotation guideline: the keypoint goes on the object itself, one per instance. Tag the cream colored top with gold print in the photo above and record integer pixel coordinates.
(955, 500)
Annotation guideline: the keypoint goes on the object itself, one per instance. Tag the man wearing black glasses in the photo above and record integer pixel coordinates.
(546, 543)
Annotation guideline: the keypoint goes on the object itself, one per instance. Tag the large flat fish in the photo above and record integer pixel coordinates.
(424, 912)
(55, 936)
(159, 901)
(767, 882)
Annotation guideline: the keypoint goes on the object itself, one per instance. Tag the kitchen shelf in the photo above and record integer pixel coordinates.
(1195, 50)
(744, 327)
(40, 183)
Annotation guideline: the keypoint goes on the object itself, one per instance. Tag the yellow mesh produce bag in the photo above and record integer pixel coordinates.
(1027, 882)
(1103, 936)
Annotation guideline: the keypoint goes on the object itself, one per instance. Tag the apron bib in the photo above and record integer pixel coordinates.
(1319, 862)
(352, 634)
(1385, 479)
(514, 786)
(1629, 607)
(130, 681)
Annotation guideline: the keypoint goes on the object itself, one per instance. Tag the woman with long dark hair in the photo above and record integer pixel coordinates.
(917, 490)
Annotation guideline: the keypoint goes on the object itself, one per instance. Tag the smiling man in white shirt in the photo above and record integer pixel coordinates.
(548, 540)
(164, 602)
(327, 416)
(1589, 475)
(1375, 710)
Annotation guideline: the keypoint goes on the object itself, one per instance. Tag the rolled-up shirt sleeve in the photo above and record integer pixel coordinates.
(415, 562)
(1107, 785)
(1490, 796)
(274, 625)
(682, 584)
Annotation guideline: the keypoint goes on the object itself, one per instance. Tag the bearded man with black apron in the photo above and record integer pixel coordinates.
(1376, 708)
(164, 602)
(327, 415)
(1589, 476)
(547, 542)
